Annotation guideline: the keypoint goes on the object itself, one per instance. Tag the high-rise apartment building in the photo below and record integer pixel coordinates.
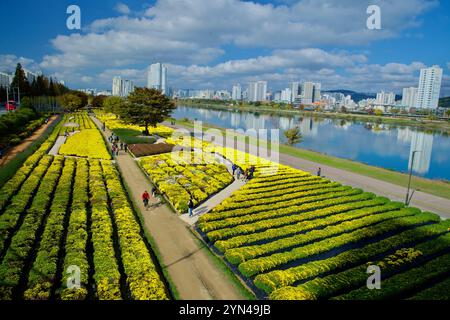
(121, 87)
(310, 92)
(157, 77)
(296, 91)
(257, 91)
(385, 98)
(409, 97)
(5, 79)
(236, 92)
(429, 88)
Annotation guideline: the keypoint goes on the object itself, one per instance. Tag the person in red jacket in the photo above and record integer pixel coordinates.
(145, 198)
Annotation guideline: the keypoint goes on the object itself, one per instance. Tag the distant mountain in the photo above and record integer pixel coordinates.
(356, 96)
(444, 102)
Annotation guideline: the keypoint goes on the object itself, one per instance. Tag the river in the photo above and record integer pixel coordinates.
(380, 145)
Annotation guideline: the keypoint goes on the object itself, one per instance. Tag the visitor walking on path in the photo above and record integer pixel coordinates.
(121, 145)
(113, 149)
(145, 199)
(234, 167)
(239, 172)
(190, 207)
(103, 126)
(319, 172)
(125, 146)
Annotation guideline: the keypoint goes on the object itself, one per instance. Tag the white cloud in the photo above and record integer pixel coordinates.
(448, 65)
(122, 8)
(196, 31)
(8, 63)
(194, 38)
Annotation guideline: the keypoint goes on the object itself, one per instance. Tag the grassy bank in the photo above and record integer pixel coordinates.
(424, 124)
(434, 187)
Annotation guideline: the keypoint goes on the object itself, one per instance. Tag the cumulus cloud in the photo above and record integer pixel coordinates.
(122, 8)
(195, 39)
(8, 63)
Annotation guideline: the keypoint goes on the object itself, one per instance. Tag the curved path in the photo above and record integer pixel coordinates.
(187, 261)
(421, 200)
(26, 142)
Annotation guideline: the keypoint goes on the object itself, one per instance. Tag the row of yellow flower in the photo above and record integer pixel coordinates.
(182, 179)
(86, 143)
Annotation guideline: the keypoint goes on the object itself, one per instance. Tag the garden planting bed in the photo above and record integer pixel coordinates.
(57, 212)
(142, 150)
(289, 231)
(181, 179)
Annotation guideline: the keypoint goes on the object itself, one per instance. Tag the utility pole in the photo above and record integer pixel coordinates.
(408, 198)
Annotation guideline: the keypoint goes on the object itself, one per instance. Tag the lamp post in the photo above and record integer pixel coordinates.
(408, 198)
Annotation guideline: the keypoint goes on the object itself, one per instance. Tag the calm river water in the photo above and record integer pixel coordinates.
(381, 145)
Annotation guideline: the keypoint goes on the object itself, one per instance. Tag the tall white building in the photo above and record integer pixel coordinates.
(409, 97)
(429, 88)
(385, 98)
(236, 92)
(310, 92)
(286, 95)
(121, 87)
(295, 91)
(257, 91)
(157, 77)
(5, 79)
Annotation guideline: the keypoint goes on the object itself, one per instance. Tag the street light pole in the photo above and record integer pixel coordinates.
(408, 199)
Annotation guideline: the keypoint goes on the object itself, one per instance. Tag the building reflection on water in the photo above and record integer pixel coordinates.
(390, 149)
(419, 141)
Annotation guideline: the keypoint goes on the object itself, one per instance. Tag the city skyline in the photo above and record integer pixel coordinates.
(205, 52)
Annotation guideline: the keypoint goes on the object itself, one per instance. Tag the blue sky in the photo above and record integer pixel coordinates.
(213, 44)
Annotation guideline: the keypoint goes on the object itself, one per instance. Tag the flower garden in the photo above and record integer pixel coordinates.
(286, 234)
(291, 235)
(181, 179)
(58, 212)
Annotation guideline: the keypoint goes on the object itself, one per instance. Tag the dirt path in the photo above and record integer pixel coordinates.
(420, 200)
(25, 143)
(190, 267)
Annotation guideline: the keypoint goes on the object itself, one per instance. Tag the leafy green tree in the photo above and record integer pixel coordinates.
(71, 102)
(113, 104)
(146, 107)
(293, 136)
(97, 101)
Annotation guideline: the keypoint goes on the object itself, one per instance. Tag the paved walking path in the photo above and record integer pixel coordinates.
(189, 265)
(58, 143)
(217, 198)
(422, 200)
(26, 142)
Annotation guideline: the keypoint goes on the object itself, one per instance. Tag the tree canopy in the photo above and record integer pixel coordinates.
(71, 102)
(293, 136)
(146, 107)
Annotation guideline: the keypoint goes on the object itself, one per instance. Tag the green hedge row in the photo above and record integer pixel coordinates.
(350, 211)
(282, 278)
(260, 265)
(22, 242)
(43, 275)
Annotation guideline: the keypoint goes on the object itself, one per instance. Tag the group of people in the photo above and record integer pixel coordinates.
(116, 144)
(247, 174)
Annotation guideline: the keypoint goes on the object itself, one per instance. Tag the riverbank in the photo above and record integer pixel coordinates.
(433, 187)
(441, 126)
